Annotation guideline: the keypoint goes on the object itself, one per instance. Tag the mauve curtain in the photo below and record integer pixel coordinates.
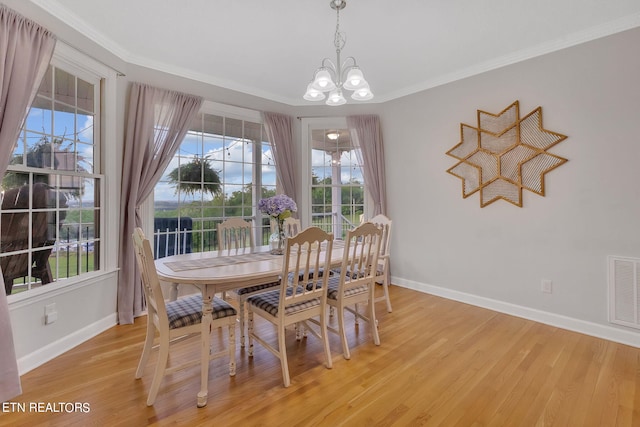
(25, 53)
(366, 129)
(158, 121)
(280, 135)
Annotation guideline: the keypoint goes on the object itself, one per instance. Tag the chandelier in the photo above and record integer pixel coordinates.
(333, 78)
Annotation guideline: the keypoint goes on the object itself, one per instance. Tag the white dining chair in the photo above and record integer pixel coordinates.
(292, 226)
(175, 319)
(300, 297)
(383, 273)
(356, 282)
(235, 234)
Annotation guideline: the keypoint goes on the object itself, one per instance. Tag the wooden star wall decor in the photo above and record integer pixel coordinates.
(505, 154)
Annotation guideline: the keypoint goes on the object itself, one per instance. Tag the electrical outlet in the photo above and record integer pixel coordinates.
(50, 317)
(50, 313)
(547, 286)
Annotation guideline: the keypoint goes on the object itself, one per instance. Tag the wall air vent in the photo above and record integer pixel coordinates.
(624, 291)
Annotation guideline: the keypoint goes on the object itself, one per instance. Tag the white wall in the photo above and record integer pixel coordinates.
(84, 310)
(496, 256)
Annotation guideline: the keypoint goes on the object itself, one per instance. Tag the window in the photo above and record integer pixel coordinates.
(221, 170)
(334, 192)
(337, 183)
(51, 205)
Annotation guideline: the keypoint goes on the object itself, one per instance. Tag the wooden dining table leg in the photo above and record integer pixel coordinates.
(205, 350)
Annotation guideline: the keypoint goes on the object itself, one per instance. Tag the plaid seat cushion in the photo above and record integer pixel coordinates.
(221, 309)
(269, 302)
(354, 274)
(334, 282)
(256, 288)
(188, 311)
(311, 274)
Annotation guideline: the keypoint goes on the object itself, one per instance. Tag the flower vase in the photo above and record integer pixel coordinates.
(276, 241)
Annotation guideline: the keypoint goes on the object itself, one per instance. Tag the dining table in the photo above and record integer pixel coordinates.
(215, 272)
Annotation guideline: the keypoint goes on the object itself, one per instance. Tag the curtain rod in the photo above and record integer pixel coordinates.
(318, 117)
(69, 45)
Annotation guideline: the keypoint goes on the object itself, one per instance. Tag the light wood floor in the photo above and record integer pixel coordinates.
(440, 363)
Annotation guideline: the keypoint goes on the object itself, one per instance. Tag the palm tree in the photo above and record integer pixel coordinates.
(189, 178)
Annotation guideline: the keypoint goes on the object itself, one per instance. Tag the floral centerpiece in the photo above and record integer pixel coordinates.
(279, 208)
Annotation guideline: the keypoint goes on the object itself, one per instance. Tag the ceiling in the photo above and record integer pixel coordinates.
(271, 48)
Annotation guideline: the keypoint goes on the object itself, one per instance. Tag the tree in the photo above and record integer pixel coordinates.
(321, 192)
(188, 178)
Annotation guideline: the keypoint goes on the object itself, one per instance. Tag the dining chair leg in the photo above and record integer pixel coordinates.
(355, 312)
(373, 322)
(343, 333)
(301, 331)
(241, 317)
(282, 352)
(325, 340)
(163, 355)
(205, 350)
(385, 288)
(232, 350)
(297, 327)
(146, 350)
(250, 331)
(173, 293)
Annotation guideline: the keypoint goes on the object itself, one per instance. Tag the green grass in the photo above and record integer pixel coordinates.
(64, 261)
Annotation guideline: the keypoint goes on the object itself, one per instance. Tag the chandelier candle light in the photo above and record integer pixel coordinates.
(330, 77)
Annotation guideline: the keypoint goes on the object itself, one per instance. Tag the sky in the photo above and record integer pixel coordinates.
(40, 122)
(234, 151)
(226, 154)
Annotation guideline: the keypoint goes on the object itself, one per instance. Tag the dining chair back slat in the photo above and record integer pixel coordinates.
(309, 253)
(234, 234)
(292, 226)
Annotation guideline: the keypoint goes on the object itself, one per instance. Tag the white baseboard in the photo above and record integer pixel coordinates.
(53, 350)
(588, 328)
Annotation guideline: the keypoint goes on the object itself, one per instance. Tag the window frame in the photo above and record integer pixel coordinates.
(89, 69)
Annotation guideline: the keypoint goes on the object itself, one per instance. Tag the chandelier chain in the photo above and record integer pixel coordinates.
(340, 39)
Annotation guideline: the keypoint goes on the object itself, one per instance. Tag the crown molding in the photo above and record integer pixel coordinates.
(593, 33)
(59, 11)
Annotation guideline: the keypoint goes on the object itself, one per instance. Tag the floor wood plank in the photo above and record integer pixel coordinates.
(440, 363)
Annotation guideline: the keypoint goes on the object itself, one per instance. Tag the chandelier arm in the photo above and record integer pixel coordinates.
(338, 70)
(346, 67)
(327, 63)
(344, 64)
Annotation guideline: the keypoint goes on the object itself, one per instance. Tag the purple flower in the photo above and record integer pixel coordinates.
(279, 206)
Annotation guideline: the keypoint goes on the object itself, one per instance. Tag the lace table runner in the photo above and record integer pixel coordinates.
(218, 261)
